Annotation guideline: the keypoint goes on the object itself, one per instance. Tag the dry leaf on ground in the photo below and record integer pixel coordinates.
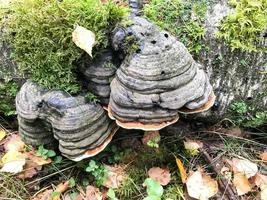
(244, 166)
(14, 143)
(45, 195)
(13, 162)
(31, 155)
(162, 176)
(30, 170)
(241, 184)
(115, 176)
(193, 146)
(201, 186)
(261, 182)
(84, 39)
(263, 156)
(33, 165)
(181, 169)
(2, 134)
(93, 193)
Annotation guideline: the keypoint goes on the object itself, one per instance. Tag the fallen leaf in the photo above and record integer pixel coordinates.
(263, 156)
(13, 162)
(115, 176)
(261, 181)
(245, 167)
(84, 39)
(193, 146)
(160, 175)
(181, 169)
(45, 195)
(30, 170)
(264, 194)
(93, 193)
(2, 134)
(201, 186)
(241, 184)
(14, 143)
(40, 161)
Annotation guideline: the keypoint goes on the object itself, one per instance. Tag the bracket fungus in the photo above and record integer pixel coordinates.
(99, 74)
(157, 81)
(82, 129)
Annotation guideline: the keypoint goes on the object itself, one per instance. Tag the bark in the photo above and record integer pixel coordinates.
(232, 78)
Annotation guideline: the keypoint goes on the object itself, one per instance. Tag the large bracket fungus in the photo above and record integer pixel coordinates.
(82, 129)
(157, 81)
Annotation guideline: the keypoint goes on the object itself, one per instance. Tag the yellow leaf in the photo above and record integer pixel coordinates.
(201, 186)
(84, 39)
(181, 169)
(2, 134)
(13, 162)
(241, 184)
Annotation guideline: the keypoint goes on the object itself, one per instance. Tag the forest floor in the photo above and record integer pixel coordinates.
(190, 160)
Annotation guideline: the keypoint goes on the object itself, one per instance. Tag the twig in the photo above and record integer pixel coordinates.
(223, 183)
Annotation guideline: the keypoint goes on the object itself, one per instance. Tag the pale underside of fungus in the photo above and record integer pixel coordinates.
(157, 80)
(82, 129)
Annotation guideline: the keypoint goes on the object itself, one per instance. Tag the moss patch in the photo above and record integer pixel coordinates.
(184, 19)
(40, 34)
(8, 91)
(242, 29)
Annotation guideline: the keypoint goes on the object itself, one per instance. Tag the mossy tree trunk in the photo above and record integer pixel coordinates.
(236, 76)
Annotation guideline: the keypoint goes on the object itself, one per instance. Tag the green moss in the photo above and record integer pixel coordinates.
(246, 116)
(182, 18)
(242, 29)
(8, 91)
(40, 34)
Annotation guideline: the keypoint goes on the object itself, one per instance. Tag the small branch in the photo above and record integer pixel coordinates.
(224, 184)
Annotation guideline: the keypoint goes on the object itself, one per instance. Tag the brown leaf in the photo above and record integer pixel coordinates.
(115, 176)
(30, 170)
(36, 159)
(93, 193)
(261, 181)
(263, 156)
(181, 169)
(62, 187)
(45, 195)
(241, 184)
(162, 176)
(201, 186)
(14, 143)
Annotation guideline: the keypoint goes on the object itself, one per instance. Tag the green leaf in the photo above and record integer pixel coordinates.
(72, 182)
(51, 153)
(152, 198)
(153, 188)
(111, 194)
(58, 159)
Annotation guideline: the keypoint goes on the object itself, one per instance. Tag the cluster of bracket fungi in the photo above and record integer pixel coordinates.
(82, 129)
(151, 86)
